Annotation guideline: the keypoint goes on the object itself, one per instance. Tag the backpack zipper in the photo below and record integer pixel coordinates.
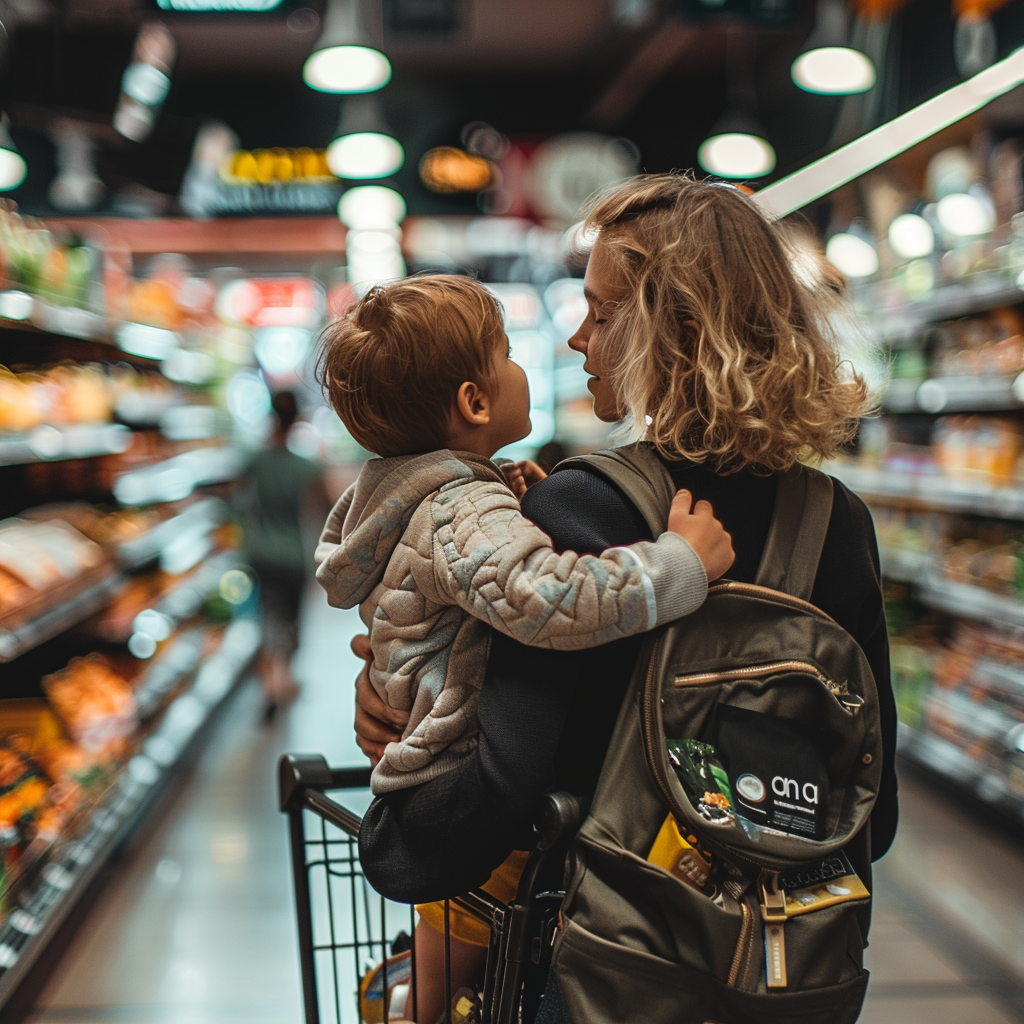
(849, 702)
(732, 587)
(743, 944)
(773, 914)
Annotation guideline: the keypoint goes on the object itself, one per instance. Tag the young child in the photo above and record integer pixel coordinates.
(430, 542)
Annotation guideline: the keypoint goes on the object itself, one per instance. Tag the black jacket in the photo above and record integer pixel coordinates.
(546, 717)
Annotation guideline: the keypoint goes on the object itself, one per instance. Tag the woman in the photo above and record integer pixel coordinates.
(701, 338)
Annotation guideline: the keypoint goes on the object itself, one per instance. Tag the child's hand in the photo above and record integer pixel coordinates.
(521, 475)
(704, 532)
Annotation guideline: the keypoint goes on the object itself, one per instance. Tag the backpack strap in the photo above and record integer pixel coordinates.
(803, 507)
(637, 471)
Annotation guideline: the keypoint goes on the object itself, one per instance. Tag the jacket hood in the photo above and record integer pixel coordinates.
(371, 517)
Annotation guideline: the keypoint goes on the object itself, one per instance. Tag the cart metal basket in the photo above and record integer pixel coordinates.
(345, 929)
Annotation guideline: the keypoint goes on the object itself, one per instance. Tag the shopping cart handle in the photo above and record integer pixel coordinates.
(297, 773)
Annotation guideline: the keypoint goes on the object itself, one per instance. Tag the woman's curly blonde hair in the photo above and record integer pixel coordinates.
(720, 352)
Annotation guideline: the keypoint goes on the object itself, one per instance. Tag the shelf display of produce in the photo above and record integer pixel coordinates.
(126, 618)
(59, 877)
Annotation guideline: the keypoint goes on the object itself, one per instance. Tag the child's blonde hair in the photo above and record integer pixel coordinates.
(392, 366)
(717, 341)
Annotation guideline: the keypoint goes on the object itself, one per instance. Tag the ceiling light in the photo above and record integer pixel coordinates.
(974, 43)
(145, 82)
(834, 71)
(911, 237)
(737, 145)
(737, 155)
(363, 145)
(344, 59)
(365, 155)
(852, 255)
(347, 69)
(12, 164)
(369, 207)
(827, 64)
(964, 215)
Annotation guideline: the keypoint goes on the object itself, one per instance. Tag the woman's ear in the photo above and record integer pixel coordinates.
(473, 403)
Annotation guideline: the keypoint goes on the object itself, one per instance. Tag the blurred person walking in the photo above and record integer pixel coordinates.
(280, 491)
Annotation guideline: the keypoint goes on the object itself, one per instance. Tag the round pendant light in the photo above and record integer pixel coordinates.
(12, 164)
(344, 59)
(828, 65)
(834, 71)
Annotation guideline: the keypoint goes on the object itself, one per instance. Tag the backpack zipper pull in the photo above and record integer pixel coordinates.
(773, 913)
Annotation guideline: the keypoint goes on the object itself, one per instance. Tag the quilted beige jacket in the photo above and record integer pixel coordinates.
(434, 549)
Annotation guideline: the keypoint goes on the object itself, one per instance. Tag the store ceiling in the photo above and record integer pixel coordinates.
(530, 67)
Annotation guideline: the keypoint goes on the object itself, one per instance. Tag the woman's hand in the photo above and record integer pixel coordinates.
(376, 725)
(705, 534)
(521, 475)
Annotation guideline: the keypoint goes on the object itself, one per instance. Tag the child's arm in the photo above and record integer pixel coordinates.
(496, 564)
(330, 537)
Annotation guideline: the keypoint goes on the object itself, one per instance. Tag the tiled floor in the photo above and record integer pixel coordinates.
(197, 926)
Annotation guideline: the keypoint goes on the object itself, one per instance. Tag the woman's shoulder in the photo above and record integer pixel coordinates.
(582, 511)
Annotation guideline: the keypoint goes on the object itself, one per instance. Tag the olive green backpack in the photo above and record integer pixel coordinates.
(771, 706)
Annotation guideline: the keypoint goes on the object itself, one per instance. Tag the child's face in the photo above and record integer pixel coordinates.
(510, 402)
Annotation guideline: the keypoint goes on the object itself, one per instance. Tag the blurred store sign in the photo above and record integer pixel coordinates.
(277, 167)
(222, 179)
(224, 6)
(272, 302)
(447, 170)
(773, 12)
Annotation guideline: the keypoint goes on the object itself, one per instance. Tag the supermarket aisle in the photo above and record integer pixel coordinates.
(197, 926)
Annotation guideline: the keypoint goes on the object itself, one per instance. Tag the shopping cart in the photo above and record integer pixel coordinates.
(346, 930)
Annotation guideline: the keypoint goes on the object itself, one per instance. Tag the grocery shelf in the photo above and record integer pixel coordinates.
(967, 601)
(61, 883)
(958, 768)
(49, 443)
(977, 294)
(954, 394)
(177, 477)
(944, 493)
(193, 523)
(54, 621)
(903, 565)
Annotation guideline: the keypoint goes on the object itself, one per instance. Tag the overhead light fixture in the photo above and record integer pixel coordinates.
(371, 208)
(12, 164)
(827, 64)
(892, 138)
(344, 59)
(145, 82)
(974, 43)
(911, 237)
(737, 146)
(77, 186)
(364, 147)
(851, 254)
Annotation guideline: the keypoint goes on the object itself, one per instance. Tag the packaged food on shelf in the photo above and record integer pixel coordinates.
(986, 447)
(67, 394)
(990, 345)
(983, 553)
(95, 704)
(43, 563)
(65, 272)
